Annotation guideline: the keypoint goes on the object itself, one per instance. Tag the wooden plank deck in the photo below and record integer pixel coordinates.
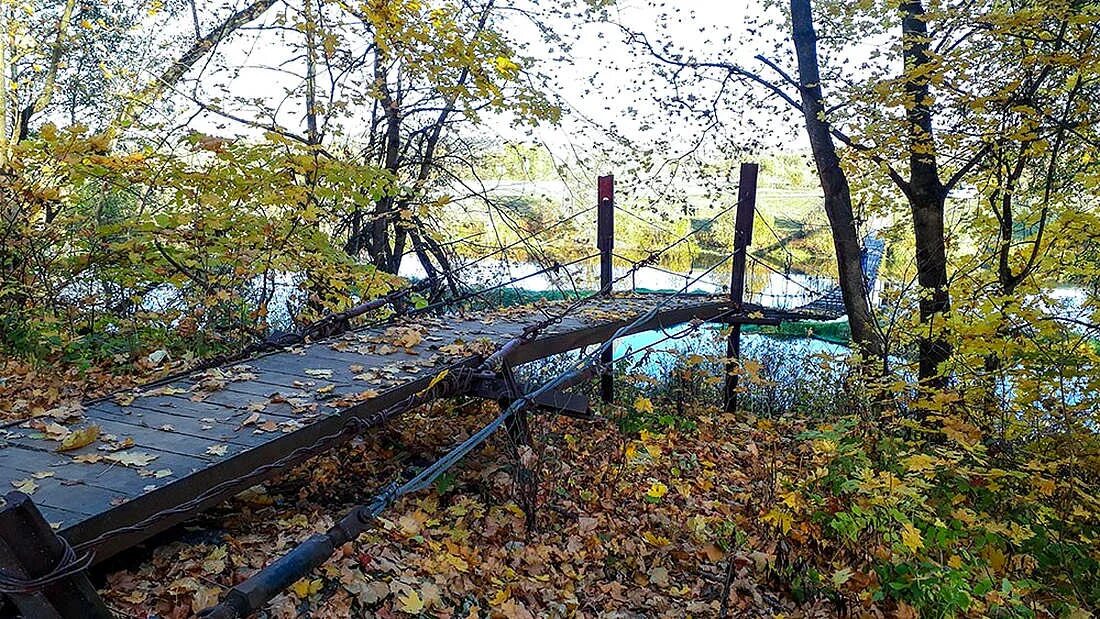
(176, 439)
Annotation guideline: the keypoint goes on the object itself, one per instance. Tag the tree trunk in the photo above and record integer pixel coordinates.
(935, 300)
(384, 215)
(834, 183)
(926, 194)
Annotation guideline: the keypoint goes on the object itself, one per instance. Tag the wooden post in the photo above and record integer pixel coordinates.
(605, 242)
(742, 239)
(29, 548)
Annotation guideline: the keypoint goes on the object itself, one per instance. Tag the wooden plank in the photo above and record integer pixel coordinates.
(599, 332)
(77, 497)
(20, 463)
(145, 439)
(218, 423)
(238, 397)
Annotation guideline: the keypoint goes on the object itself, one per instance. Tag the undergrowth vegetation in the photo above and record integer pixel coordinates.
(934, 517)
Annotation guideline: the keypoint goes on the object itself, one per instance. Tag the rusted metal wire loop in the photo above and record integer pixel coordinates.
(69, 564)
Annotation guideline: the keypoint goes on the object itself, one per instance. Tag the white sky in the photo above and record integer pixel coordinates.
(598, 54)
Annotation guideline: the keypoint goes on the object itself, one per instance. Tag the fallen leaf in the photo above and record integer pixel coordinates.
(659, 576)
(26, 486)
(411, 603)
(131, 458)
(305, 587)
(214, 563)
(204, 598)
(713, 552)
(656, 491)
(841, 576)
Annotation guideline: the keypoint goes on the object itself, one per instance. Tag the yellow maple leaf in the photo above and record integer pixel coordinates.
(305, 587)
(501, 597)
(79, 438)
(964, 433)
(781, 519)
(506, 65)
(911, 538)
(659, 541)
(411, 603)
(643, 405)
(793, 500)
(920, 462)
(656, 491)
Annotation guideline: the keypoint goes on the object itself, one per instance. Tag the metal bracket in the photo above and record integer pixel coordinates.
(568, 404)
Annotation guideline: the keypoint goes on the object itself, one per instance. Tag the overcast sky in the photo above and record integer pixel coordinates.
(609, 76)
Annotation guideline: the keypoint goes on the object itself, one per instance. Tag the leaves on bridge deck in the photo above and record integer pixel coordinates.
(79, 438)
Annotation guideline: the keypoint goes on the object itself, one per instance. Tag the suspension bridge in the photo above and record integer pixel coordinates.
(169, 450)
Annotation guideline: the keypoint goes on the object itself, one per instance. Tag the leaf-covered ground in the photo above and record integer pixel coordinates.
(637, 525)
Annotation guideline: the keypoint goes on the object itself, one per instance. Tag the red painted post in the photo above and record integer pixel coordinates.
(742, 239)
(605, 242)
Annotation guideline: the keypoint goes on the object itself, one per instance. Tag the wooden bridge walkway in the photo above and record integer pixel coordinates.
(163, 445)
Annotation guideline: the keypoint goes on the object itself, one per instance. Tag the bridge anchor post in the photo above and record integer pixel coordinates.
(605, 242)
(742, 239)
(41, 574)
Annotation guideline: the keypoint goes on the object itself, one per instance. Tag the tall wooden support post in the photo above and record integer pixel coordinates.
(30, 549)
(605, 241)
(742, 239)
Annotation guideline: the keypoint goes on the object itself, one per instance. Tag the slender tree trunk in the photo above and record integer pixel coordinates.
(24, 116)
(384, 208)
(387, 210)
(834, 183)
(312, 134)
(195, 19)
(5, 137)
(927, 195)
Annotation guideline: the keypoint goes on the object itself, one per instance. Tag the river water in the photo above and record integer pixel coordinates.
(774, 289)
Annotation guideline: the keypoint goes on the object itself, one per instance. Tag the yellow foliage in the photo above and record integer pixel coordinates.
(656, 490)
(911, 538)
